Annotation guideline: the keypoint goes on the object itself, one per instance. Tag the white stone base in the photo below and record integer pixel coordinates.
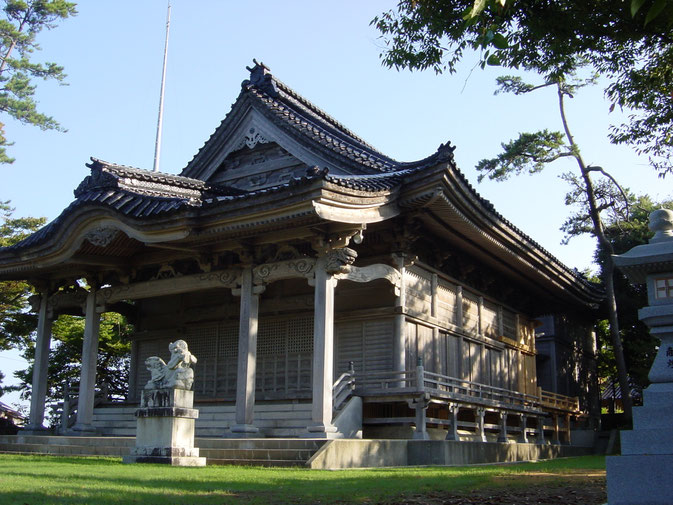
(167, 456)
(169, 460)
(165, 432)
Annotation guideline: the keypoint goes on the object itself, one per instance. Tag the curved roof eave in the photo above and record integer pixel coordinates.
(455, 205)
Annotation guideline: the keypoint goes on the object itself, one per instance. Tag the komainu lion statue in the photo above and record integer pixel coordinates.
(177, 373)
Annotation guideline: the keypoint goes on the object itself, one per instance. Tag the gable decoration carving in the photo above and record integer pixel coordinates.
(102, 236)
(251, 138)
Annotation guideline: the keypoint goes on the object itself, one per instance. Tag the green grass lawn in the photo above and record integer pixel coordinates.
(41, 480)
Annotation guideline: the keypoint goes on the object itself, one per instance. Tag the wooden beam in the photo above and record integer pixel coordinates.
(173, 286)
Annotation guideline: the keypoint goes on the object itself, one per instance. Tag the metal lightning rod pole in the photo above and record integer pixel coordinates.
(157, 144)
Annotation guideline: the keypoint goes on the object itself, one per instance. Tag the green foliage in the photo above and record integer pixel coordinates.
(23, 20)
(610, 200)
(647, 91)
(629, 43)
(65, 356)
(16, 324)
(530, 152)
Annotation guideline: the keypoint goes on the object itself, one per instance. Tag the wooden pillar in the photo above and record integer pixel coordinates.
(323, 350)
(247, 356)
(434, 284)
(523, 436)
(452, 434)
(421, 432)
(481, 434)
(399, 330)
(557, 440)
(459, 306)
(568, 429)
(87, 381)
(540, 430)
(40, 367)
(501, 321)
(502, 436)
(420, 404)
(133, 378)
(460, 368)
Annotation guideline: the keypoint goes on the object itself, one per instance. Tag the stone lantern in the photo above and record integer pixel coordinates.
(643, 474)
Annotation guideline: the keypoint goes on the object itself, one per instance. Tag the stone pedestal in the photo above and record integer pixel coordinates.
(166, 429)
(642, 474)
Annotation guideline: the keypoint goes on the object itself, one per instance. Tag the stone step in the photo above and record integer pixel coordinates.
(285, 432)
(66, 450)
(266, 452)
(115, 423)
(256, 462)
(261, 443)
(257, 454)
(119, 432)
(65, 440)
(287, 427)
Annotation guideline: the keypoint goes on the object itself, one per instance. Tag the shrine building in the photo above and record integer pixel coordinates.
(327, 290)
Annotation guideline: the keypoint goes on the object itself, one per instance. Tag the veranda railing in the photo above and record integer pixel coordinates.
(419, 380)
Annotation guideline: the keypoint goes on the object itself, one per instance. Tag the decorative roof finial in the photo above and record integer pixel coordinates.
(661, 223)
(261, 78)
(445, 152)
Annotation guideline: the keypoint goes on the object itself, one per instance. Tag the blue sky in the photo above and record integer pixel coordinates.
(112, 52)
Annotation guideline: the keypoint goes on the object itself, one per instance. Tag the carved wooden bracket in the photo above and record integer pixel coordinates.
(288, 269)
(423, 401)
(63, 300)
(340, 260)
(371, 273)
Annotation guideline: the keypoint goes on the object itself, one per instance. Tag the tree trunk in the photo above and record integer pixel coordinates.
(608, 267)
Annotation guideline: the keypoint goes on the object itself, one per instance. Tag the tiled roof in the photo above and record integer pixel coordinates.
(131, 192)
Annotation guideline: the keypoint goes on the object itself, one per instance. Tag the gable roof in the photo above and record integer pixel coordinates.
(302, 121)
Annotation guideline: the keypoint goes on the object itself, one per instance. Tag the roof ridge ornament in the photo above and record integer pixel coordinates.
(99, 179)
(445, 152)
(262, 79)
(317, 172)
